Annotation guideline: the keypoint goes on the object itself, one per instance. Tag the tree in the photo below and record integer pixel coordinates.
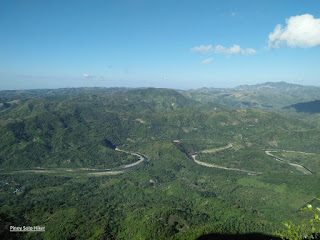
(305, 230)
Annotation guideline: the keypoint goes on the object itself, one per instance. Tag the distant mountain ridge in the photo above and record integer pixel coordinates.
(281, 84)
(266, 96)
(59, 91)
(280, 87)
(274, 96)
(66, 91)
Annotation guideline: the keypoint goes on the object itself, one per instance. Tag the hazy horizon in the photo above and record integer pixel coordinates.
(26, 89)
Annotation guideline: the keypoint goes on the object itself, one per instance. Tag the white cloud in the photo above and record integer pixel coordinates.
(202, 49)
(86, 75)
(235, 49)
(249, 51)
(207, 60)
(233, 14)
(300, 31)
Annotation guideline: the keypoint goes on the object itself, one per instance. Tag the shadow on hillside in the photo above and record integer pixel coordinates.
(307, 107)
(246, 236)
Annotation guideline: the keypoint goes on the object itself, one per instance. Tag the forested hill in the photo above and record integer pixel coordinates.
(56, 92)
(149, 99)
(209, 171)
(72, 130)
(281, 87)
(265, 96)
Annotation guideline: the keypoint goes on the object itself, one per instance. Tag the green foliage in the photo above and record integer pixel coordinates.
(307, 229)
(309, 160)
(247, 158)
(266, 96)
(167, 197)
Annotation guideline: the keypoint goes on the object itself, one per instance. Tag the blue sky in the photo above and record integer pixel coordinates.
(173, 44)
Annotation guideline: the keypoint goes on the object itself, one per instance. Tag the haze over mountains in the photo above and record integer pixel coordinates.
(267, 96)
(270, 95)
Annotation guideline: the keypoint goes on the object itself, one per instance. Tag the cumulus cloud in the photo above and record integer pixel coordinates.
(300, 31)
(202, 49)
(207, 60)
(235, 49)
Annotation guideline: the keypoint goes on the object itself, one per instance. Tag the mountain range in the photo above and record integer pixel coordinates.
(215, 161)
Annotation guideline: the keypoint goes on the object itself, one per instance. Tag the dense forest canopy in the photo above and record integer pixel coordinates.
(213, 164)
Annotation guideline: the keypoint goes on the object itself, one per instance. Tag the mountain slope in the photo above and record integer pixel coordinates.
(169, 196)
(73, 132)
(266, 96)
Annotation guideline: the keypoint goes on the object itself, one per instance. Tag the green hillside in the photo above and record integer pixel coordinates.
(72, 132)
(47, 142)
(266, 96)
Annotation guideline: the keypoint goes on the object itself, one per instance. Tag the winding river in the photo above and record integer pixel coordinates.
(92, 171)
(301, 168)
(143, 158)
(230, 145)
